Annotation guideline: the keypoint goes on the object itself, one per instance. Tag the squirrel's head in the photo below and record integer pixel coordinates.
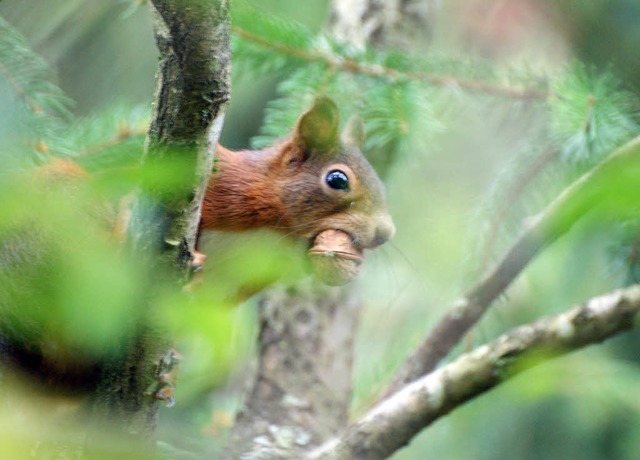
(327, 183)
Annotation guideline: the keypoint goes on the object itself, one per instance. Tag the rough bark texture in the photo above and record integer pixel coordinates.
(301, 393)
(401, 24)
(605, 187)
(191, 94)
(392, 423)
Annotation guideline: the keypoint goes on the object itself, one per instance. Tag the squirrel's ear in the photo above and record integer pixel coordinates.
(353, 133)
(317, 128)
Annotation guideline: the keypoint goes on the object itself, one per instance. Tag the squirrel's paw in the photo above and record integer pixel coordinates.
(197, 264)
(197, 261)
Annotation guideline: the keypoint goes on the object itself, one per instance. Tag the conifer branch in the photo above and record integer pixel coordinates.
(381, 71)
(122, 136)
(19, 90)
(30, 78)
(29, 75)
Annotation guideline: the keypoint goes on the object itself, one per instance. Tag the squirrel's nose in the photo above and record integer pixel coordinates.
(384, 230)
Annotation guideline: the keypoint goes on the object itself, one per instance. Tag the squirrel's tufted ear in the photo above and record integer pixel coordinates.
(353, 133)
(317, 128)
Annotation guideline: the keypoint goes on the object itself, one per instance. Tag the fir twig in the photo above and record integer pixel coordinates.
(382, 71)
(123, 135)
(19, 90)
(30, 78)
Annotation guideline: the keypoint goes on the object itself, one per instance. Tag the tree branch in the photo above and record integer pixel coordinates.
(381, 71)
(608, 186)
(392, 423)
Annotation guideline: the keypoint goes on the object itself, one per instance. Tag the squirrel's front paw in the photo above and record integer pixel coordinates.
(197, 261)
(197, 264)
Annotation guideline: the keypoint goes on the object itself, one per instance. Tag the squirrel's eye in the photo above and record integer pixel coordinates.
(338, 180)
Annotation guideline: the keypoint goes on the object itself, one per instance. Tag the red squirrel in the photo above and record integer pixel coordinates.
(310, 182)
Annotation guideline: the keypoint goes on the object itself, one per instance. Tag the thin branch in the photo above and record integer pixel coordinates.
(121, 137)
(20, 90)
(511, 197)
(381, 71)
(607, 184)
(391, 424)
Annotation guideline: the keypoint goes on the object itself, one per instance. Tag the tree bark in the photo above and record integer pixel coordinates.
(399, 24)
(191, 94)
(302, 389)
(392, 423)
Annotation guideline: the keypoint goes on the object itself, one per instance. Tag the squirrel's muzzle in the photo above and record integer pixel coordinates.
(384, 230)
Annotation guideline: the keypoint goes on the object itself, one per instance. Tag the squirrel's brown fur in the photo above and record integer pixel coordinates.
(284, 187)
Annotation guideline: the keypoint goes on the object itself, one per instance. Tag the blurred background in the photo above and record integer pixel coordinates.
(440, 191)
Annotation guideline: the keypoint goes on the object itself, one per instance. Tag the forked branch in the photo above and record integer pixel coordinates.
(612, 186)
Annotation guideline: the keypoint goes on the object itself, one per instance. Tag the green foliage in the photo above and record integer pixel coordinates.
(289, 42)
(591, 115)
(297, 92)
(402, 119)
(405, 99)
(85, 287)
(28, 93)
(85, 282)
(37, 111)
(115, 123)
(588, 116)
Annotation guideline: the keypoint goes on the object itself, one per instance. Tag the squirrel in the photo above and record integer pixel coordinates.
(312, 181)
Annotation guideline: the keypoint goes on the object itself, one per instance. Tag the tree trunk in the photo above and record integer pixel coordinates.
(191, 95)
(302, 387)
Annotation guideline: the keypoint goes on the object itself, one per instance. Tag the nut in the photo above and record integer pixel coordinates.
(335, 258)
